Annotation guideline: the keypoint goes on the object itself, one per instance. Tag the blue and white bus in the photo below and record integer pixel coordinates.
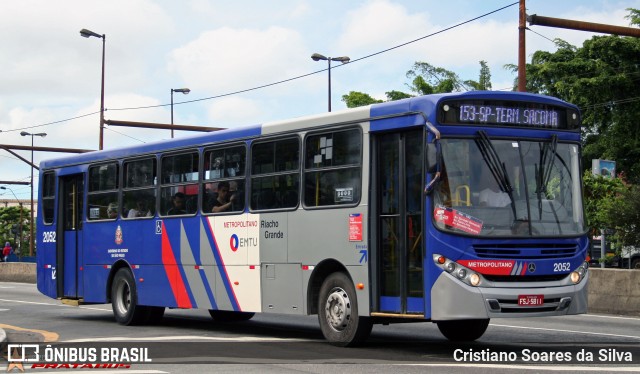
(453, 208)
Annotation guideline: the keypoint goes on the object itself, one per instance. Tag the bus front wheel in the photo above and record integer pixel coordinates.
(338, 312)
(124, 299)
(463, 330)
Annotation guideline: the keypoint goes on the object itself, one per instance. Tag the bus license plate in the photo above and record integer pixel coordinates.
(530, 300)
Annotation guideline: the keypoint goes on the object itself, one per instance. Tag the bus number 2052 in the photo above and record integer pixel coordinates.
(49, 237)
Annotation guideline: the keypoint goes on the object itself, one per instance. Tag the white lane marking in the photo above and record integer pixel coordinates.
(3, 310)
(608, 316)
(576, 369)
(27, 302)
(5, 287)
(188, 337)
(50, 304)
(570, 331)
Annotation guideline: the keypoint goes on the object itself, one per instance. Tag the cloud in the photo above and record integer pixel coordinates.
(234, 110)
(227, 59)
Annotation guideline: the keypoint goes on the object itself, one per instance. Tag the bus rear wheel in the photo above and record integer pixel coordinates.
(463, 330)
(124, 300)
(338, 312)
(230, 316)
(635, 264)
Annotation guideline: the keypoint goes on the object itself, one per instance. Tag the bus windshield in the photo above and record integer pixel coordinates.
(492, 187)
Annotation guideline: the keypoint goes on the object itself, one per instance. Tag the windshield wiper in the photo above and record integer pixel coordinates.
(496, 166)
(543, 172)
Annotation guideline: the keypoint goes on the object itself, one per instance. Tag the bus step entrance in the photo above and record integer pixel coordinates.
(72, 302)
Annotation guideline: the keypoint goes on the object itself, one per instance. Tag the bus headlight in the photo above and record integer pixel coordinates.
(579, 274)
(462, 273)
(474, 279)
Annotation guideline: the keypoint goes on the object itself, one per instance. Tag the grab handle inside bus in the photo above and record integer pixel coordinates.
(433, 155)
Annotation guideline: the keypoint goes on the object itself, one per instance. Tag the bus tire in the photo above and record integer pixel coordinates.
(635, 263)
(466, 330)
(230, 316)
(124, 300)
(338, 312)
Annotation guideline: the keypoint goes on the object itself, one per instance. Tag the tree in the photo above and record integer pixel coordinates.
(484, 81)
(10, 221)
(355, 99)
(601, 78)
(625, 214)
(425, 79)
(600, 195)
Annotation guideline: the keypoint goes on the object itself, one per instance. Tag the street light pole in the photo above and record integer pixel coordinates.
(31, 242)
(185, 91)
(20, 225)
(318, 57)
(86, 34)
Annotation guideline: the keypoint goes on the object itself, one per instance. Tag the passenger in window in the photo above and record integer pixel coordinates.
(140, 210)
(112, 210)
(178, 205)
(225, 199)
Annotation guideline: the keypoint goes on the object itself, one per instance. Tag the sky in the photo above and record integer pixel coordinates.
(223, 51)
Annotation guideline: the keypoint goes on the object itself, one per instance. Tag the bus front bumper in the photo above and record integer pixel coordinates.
(452, 299)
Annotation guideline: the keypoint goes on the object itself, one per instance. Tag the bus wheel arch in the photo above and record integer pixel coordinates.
(124, 299)
(466, 330)
(338, 313)
(114, 269)
(319, 274)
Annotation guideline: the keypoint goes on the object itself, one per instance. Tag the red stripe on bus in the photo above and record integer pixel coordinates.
(171, 267)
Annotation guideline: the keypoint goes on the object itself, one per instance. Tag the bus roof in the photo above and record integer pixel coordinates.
(424, 104)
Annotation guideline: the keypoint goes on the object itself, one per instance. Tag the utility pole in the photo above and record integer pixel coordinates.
(522, 56)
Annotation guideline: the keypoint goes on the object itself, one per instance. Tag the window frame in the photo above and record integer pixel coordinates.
(244, 177)
(90, 193)
(359, 166)
(151, 187)
(49, 197)
(166, 185)
(251, 176)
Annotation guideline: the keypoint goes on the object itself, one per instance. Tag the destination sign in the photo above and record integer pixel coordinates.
(503, 113)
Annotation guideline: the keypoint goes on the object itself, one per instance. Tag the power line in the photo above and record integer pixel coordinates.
(284, 80)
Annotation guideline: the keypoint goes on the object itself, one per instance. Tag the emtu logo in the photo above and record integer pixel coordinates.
(234, 242)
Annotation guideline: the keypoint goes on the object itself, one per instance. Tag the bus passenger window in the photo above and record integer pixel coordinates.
(179, 189)
(332, 170)
(102, 197)
(275, 177)
(224, 179)
(139, 192)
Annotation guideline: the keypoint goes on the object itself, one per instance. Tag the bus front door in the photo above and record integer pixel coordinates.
(399, 222)
(69, 249)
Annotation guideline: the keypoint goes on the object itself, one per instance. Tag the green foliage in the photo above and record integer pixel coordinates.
(600, 194)
(9, 217)
(484, 81)
(624, 215)
(601, 78)
(355, 99)
(425, 79)
(428, 79)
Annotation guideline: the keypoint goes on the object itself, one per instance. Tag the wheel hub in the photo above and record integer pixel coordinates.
(338, 309)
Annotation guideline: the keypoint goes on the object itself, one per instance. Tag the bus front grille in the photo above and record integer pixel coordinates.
(525, 251)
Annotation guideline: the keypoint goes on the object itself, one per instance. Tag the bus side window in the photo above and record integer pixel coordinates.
(102, 197)
(275, 177)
